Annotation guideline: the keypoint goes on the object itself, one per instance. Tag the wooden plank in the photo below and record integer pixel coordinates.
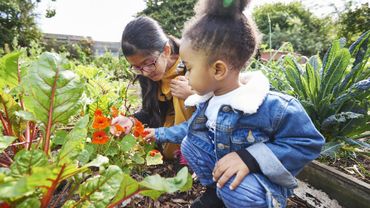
(346, 189)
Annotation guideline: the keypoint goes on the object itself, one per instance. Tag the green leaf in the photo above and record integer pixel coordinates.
(25, 160)
(42, 176)
(127, 143)
(99, 190)
(153, 194)
(339, 125)
(168, 185)
(33, 202)
(358, 91)
(60, 137)
(98, 161)
(335, 72)
(138, 159)
(69, 204)
(25, 116)
(50, 88)
(330, 148)
(74, 142)
(13, 189)
(9, 106)
(5, 141)
(128, 188)
(9, 70)
(157, 159)
(329, 56)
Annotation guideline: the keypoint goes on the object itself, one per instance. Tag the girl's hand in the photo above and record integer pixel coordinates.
(150, 137)
(228, 166)
(180, 88)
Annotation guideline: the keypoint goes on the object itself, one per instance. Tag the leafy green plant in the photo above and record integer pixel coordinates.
(38, 156)
(335, 92)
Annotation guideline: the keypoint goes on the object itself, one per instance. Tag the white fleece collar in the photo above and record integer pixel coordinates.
(249, 96)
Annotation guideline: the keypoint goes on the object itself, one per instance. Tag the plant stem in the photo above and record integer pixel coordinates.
(10, 131)
(47, 197)
(125, 198)
(4, 165)
(361, 136)
(4, 124)
(50, 120)
(19, 143)
(8, 157)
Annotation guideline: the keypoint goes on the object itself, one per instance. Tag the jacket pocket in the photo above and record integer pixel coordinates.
(248, 136)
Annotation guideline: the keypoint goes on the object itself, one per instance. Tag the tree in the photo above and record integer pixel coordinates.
(295, 24)
(353, 22)
(171, 14)
(17, 20)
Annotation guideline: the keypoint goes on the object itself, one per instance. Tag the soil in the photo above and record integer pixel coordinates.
(358, 167)
(169, 169)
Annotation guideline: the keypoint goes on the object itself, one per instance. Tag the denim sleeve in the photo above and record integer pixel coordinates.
(296, 142)
(173, 134)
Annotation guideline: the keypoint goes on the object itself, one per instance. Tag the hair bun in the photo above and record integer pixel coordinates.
(226, 8)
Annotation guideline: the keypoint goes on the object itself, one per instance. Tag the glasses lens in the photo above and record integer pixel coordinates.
(135, 69)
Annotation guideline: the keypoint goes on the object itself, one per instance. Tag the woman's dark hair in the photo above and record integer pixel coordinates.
(222, 30)
(144, 35)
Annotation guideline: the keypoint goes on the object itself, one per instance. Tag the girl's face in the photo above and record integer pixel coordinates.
(152, 66)
(199, 72)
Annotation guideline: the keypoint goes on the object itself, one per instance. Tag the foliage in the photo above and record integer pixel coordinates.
(171, 14)
(354, 21)
(335, 92)
(17, 21)
(118, 65)
(42, 96)
(81, 51)
(120, 138)
(295, 24)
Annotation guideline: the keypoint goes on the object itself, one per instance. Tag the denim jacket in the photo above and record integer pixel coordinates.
(274, 128)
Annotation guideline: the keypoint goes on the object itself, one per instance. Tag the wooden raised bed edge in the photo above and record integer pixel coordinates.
(349, 191)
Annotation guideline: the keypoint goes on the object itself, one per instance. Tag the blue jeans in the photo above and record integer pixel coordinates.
(255, 190)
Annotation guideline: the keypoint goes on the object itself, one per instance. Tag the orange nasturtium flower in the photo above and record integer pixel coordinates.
(101, 122)
(99, 137)
(119, 130)
(152, 153)
(98, 112)
(114, 111)
(138, 129)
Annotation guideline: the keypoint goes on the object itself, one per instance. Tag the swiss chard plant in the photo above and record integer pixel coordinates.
(335, 91)
(39, 159)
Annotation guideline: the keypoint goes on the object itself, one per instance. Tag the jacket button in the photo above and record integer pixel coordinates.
(226, 109)
(220, 146)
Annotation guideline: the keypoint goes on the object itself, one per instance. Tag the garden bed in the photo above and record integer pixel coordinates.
(346, 189)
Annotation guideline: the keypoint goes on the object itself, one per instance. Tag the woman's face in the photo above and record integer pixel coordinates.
(152, 66)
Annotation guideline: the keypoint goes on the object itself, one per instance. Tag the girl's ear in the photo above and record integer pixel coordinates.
(219, 70)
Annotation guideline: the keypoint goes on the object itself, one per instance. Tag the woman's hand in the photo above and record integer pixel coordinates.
(180, 87)
(228, 166)
(150, 137)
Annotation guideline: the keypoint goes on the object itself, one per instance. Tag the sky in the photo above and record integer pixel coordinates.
(104, 20)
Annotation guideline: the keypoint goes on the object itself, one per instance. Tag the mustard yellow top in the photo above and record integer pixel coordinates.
(179, 113)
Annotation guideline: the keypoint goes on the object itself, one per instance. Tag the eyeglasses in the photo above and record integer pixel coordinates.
(145, 68)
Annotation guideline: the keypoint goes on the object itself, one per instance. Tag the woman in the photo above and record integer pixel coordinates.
(154, 57)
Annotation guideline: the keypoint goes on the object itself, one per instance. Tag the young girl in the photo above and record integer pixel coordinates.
(245, 143)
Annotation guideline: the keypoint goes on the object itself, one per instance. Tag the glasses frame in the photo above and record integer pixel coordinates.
(151, 66)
